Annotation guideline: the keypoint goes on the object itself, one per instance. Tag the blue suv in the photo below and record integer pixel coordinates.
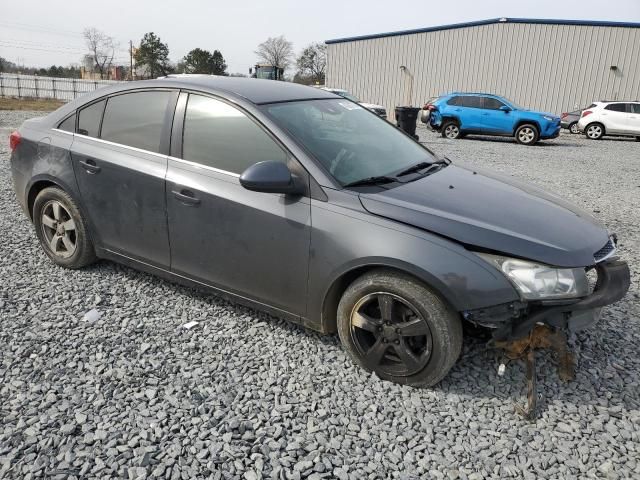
(458, 114)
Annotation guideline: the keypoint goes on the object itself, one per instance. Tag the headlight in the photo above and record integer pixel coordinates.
(548, 118)
(537, 281)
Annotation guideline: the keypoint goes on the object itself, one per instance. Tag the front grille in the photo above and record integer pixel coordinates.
(605, 252)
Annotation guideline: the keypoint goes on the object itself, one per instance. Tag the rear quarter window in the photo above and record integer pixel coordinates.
(89, 119)
(68, 124)
(454, 101)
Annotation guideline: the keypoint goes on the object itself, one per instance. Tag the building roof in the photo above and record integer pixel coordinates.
(539, 21)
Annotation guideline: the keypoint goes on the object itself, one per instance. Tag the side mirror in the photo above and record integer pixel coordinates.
(505, 108)
(271, 177)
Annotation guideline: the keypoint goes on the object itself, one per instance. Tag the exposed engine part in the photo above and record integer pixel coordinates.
(541, 337)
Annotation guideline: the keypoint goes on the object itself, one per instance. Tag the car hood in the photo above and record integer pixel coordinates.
(488, 211)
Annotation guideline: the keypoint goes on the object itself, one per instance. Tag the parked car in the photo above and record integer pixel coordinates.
(611, 118)
(293, 201)
(569, 120)
(458, 114)
(377, 109)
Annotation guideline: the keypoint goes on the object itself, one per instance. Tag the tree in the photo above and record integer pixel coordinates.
(312, 62)
(101, 49)
(154, 55)
(203, 61)
(276, 51)
(219, 65)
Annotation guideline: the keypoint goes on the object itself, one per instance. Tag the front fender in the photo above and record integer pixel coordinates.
(345, 241)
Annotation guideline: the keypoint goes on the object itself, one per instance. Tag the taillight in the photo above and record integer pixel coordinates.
(429, 106)
(14, 140)
(564, 114)
(586, 112)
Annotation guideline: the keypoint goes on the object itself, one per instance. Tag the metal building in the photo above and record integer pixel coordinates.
(548, 65)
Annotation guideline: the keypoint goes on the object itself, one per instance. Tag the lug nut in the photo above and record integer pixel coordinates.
(397, 342)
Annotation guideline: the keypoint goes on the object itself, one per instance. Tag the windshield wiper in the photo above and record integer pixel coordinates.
(372, 181)
(429, 166)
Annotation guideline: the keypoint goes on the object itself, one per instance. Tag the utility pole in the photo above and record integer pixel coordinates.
(130, 60)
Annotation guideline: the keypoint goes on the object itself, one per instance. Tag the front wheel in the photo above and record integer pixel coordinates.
(391, 324)
(573, 128)
(527, 134)
(451, 130)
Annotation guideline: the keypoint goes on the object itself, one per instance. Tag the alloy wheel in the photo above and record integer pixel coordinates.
(59, 229)
(452, 131)
(390, 334)
(594, 131)
(526, 135)
(574, 128)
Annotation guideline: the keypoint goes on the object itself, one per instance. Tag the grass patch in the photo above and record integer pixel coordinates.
(37, 104)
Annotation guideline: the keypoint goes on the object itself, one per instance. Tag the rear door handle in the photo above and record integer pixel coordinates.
(90, 166)
(186, 196)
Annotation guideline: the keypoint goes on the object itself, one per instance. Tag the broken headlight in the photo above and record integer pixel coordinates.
(537, 281)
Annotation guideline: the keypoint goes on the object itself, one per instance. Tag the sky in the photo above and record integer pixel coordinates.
(48, 32)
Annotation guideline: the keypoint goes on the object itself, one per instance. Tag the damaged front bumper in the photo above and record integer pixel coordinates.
(520, 329)
(517, 319)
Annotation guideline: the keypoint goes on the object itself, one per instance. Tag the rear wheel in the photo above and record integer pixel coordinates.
(594, 131)
(527, 134)
(61, 229)
(451, 130)
(573, 128)
(393, 325)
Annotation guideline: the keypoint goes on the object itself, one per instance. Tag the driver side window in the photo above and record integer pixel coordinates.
(221, 136)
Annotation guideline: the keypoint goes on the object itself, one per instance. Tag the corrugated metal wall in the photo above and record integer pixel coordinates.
(553, 68)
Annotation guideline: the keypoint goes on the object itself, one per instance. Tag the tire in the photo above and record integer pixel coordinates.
(451, 129)
(637, 139)
(594, 131)
(385, 347)
(573, 128)
(527, 134)
(61, 229)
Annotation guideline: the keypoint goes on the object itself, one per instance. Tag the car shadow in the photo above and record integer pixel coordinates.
(475, 374)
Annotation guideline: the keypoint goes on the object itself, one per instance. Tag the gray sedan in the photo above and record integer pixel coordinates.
(304, 204)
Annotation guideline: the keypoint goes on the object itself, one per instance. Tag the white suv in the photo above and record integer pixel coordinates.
(611, 118)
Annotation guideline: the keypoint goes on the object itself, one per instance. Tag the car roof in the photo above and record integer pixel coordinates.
(476, 94)
(255, 90)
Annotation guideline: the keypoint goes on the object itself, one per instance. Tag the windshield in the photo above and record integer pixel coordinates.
(348, 140)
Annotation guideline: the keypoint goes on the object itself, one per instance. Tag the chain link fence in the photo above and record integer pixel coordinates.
(34, 86)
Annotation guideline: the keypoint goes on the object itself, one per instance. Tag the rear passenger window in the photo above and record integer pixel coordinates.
(635, 107)
(492, 103)
(136, 119)
(69, 124)
(472, 102)
(89, 119)
(616, 107)
(221, 136)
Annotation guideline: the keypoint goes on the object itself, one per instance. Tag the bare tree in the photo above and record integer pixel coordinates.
(101, 47)
(312, 63)
(276, 51)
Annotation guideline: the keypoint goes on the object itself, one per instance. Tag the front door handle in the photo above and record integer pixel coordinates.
(186, 196)
(90, 166)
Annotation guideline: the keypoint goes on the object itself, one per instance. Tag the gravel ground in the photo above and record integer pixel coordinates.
(245, 395)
